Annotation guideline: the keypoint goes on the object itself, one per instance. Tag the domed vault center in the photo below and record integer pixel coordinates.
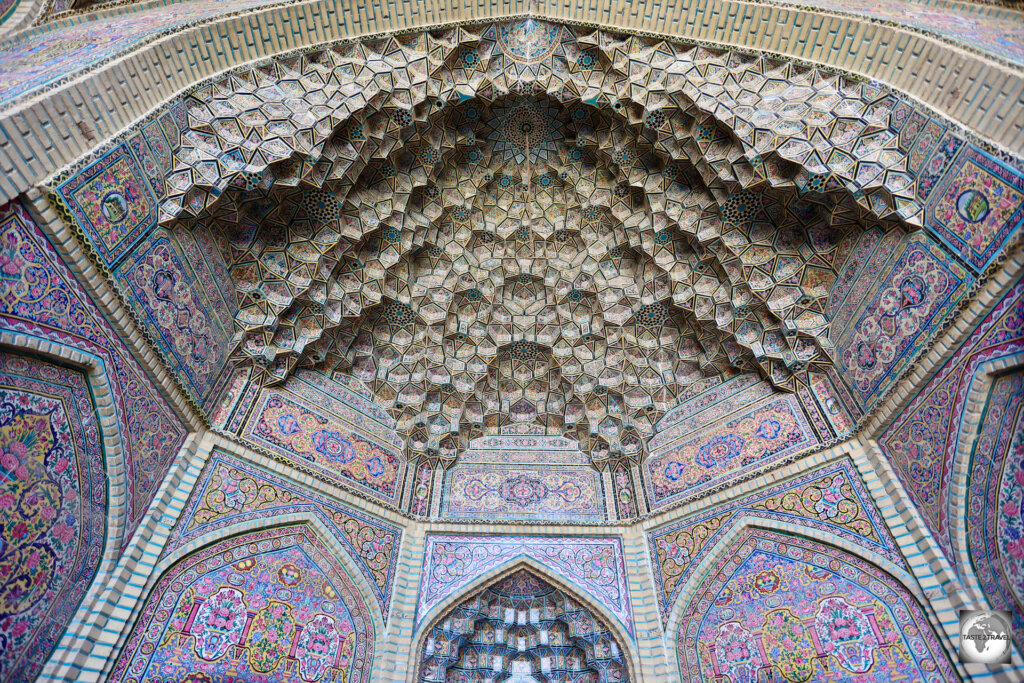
(454, 341)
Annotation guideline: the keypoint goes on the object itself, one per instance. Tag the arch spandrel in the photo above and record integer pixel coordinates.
(829, 503)
(233, 495)
(594, 564)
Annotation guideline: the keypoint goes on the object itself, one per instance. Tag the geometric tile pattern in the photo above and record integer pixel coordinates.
(993, 32)
(41, 58)
(522, 625)
(45, 57)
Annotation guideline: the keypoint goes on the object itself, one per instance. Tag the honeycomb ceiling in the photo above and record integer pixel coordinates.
(526, 224)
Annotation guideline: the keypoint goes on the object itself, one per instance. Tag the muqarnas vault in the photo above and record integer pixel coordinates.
(509, 345)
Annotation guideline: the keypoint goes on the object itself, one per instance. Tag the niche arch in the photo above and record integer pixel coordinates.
(965, 489)
(85, 616)
(316, 541)
(821, 553)
(426, 623)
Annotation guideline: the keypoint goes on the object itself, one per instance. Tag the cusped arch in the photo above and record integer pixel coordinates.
(258, 533)
(742, 534)
(425, 623)
(100, 389)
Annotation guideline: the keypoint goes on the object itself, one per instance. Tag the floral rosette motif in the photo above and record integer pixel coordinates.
(219, 622)
(737, 653)
(845, 633)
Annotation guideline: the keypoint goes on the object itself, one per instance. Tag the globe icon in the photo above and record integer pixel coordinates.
(985, 638)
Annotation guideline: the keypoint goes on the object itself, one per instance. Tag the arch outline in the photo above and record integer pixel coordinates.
(728, 542)
(425, 623)
(210, 540)
(101, 393)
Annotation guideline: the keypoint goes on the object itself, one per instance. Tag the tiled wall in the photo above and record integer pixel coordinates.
(642, 573)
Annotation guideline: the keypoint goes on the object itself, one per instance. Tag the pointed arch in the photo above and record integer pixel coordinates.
(233, 490)
(426, 622)
(732, 543)
(979, 581)
(101, 393)
(258, 531)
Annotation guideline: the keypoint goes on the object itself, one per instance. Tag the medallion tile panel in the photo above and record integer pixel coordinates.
(729, 449)
(113, 201)
(523, 492)
(523, 477)
(978, 207)
(177, 309)
(309, 428)
(916, 295)
(422, 489)
(272, 605)
(177, 283)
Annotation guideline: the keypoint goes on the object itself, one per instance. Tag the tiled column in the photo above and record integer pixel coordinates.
(655, 654)
(393, 654)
